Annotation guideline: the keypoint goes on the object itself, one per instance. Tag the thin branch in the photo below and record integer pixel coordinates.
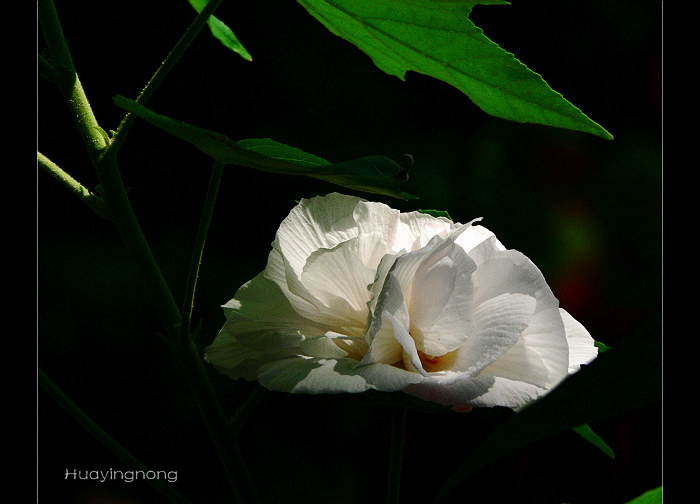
(173, 57)
(76, 188)
(195, 263)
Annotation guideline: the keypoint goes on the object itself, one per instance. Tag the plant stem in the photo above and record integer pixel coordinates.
(172, 58)
(105, 439)
(398, 428)
(103, 154)
(219, 430)
(104, 159)
(62, 72)
(130, 231)
(222, 434)
(196, 261)
(76, 188)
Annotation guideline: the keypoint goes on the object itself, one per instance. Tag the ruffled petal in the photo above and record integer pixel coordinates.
(261, 326)
(338, 280)
(498, 325)
(305, 375)
(461, 391)
(441, 305)
(301, 375)
(435, 283)
(389, 313)
(316, 223)
(476, 235)
(541, 355)
(509, 271)
(416, 229)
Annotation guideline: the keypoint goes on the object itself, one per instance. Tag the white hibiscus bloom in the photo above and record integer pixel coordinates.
(359, 296)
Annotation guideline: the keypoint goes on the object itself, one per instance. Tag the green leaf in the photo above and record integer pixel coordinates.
(222, 32)
(602, 347)
(435, 213)
(655, 496)
(623, 379)
(587, 433)
(373, 174)
(436, 38)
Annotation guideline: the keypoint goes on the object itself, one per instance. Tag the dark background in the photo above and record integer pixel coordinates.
(587, 211)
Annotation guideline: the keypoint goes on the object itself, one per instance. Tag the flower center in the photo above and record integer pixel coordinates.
(433, 363)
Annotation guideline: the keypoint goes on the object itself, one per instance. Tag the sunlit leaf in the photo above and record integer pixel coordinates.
(222, 32)
(373, 174)
(437, 38)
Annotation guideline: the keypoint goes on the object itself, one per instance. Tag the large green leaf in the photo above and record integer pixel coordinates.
(623, 379)
(373, 174)
(436, 38)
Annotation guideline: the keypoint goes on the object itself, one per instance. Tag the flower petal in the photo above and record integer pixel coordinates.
(498, 325)
(260, 326)
(331, 376)
(459, 390)
(339, 280)
(441, 300)
(582, 349)
(435, 283)
(389, 314)
(416, 229)
(407, 343)
(542, 357)
(313, 224)
(509, 271)
(546, 338)
(305, 375)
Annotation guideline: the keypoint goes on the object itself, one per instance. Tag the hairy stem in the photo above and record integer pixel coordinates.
(76, 188)
(173, 57)
(62, 72)
(203, 229)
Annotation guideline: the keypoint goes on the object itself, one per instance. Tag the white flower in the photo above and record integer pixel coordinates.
(359, 296)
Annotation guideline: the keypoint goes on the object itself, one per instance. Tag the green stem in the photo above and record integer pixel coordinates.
(173, 57)
(220, 432)
(104, 159)
(398, 428)
(129, 228)
(76, 188)
(196, 261)
(62, 72)
(105, 439)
